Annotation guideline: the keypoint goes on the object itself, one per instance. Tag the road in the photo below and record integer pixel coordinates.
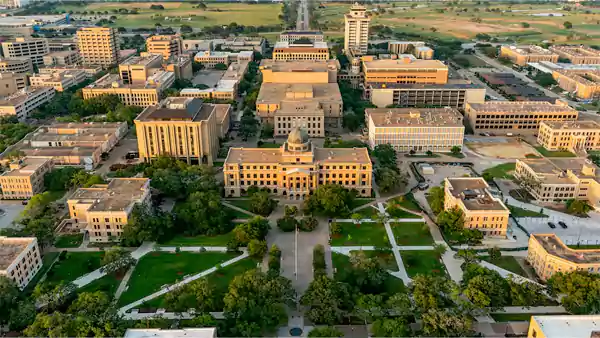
(303, 23)
(467, 74)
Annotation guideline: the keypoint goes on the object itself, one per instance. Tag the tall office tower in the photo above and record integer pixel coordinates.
(98, 45)
(356, 35)
(165, 45)
(33, 48)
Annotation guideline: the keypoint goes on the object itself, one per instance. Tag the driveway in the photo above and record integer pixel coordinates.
(10, 211)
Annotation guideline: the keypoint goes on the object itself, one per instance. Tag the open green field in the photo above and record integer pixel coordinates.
(366, 233)
(413, 233)
(422, 263)
(507, 263)
(107, 284)
(69, 241)
(501, 170)
(219, 240)
(520, 212)
(548, 153)
(74, 265)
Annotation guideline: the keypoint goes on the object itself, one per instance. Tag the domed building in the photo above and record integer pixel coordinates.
(297, 168)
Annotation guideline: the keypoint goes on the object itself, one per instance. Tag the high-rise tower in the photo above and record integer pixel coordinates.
(356, 34)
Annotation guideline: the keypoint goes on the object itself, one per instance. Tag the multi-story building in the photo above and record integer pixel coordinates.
(137, 69)
(242, 43)
(293, 51)
(226, 88)
(22, 102)
(481, 210)
(20, 259)
(191, 47)
(548, 255)
(21, 65)
(104, 209)
(521, 55)
(11, 82)
(292, 36)
(60, 81)
(416, 48)
(557, 326)
(299, 71)
(516, 117)
(579, 55)
(585, 83)
(418, 129)
(88, 70)
(356, 32)
(181, 127)
(181, 66)
(25, 178)
(455, 95)
(98, 46)
(62, 44)
(166, 45)
(575, 136)
(34, 48)
(62, 58)
(297, 168)
(210, 58)
(405, 70)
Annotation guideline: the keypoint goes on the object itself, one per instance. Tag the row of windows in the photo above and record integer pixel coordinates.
(274, 167)
(297, 184)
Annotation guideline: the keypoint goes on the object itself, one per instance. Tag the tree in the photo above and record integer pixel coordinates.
(291, 210)
(389, 180)
(436, 199)
(494, 253)
(487, 289)
(199, 295)
(60, 178)
(220, 66)
(117, 259)
(327, 331)
(9, 294)
(261, 203)
(287, 224)
(147, 224)
(90, 304)
(431, 292)
(391, 327)
(455, 150)
(186, 29)
(568, 25)
(255, 228)
(22, 315)
(55, 324)
(327, 300)
(331, 200)
(447, 323)
(525, 25)
(439, 249)
(308, 224)
(248, 124)
(203, 213)
(257, 249)
(577, 207)
(580, 290)
(367, 273)
(385, 155)
(544, 79)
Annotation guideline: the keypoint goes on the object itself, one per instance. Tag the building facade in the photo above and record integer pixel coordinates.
(289, 51)
(11, 82)
(297, 168)
(62, 58)
(415, 48)
(579, 55)
(98, 46)
(25, 178)
(166, 45)
(226, 89)
(181, 66)
(356, 31)
(22, 65)
(575, 136)
(585, 84)
(104, 209)
(481, 210)
(548, 255)
(181, 127)
(34, 48)
(516, 117)
(420, 130)
(292, 36)
(418, 95)
(20, 259)
(555, 326)
(211, 58)
(405, 70)
(24, 101)
(521, 55)
(60, 81)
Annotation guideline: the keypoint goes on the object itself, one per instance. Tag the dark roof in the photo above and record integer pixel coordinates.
(194, 111)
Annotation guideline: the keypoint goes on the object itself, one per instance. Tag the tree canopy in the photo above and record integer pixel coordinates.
(331, 200)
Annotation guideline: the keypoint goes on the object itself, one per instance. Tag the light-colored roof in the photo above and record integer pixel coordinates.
(30, 20)
(117, 195)
(293, 45)
(589, 77)
(156, 80)
(554, 246)
(567, 326)
(23, 95)
(426, 117)
(577, 51)
(11, 248)
(584, 124)
(530, 50)
(277, 92)
(28, 167)
(299, 66)
(510, 107)
(474, 194)
(401, 63)
(141, 60)
(206, 332)
(321, 155)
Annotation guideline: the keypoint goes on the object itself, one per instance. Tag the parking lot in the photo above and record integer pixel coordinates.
(443, 171)
(208, 77)
(10, 210)
(582, 230)
(499, 147)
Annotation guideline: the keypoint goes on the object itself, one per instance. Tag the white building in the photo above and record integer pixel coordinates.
(20, 259)
(24, 101)
(562, 326)
(356, 33)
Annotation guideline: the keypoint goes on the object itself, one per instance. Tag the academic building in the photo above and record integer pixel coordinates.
(292, 36)
(20, 259)
(12, 82)
(17, 65)
(181, 66)
(404, 70)
(104, 209)
(560, 179)
(418, 129)
(62, 58)
(482, 211)
(521, 55)
(516, 116)
(22, 102)
(165, 45)
(98, 45)
(585, 84)
(579, 55)
(575, 136)
(25, 178)
(416, 48)
(451, 94)
(356, 32)
(226, 88)
(60, 81)
(297, 168)
(555, 326)
(210, 59)
(293, 51)
(34, 48)
(181, 127)
(548, 255)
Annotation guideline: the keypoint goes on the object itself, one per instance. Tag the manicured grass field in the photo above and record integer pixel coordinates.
(47, 259)
(473, 60)
(341, 264)
(520, 212)
(240, 203)
(367, 212)
(69, 241)
(413, 233)
(422, 262)
(584, 246)
(159, 268)
(107, 284)
(548, 153)
(501, 170)
(75, 265)
(361, 201)
(407, 201)
(507, 263)
(219, 240)
(399, 213)
(236, 213)
(366, 233)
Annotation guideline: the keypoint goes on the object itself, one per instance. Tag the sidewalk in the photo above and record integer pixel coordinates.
(402, 274)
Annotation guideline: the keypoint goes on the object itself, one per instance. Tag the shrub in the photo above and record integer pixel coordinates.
(257, 249)
(274, 261)
(308, 224)
(287, 224)
(319, 266)
(335, 228)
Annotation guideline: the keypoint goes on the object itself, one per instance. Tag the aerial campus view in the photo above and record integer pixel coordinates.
(300, 168)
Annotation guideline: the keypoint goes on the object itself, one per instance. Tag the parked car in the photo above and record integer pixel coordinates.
(423, 186)
(552, 225)
(562, 224)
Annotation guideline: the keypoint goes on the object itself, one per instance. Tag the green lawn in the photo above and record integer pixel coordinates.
(366, 233)
(548, 153)
(501, 170)
(69, 241)
(385, 258)
(413, 233)
(47, 259)
(75, 265)
(361, 201)
(107, 284)
(407, 201)
(243, 204)
(422, 262)
(218, 164)
(367, 212)
(341, 264)
(159, 268)
(56, 194)
(269, 145)
(520, 212)
(219, 240)
(399, 213)
(507, 263)
(236, 213)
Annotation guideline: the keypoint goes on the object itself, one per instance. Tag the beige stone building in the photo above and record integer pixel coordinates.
(548, 255)
(104, 209)
(579, 55)
(25, 178)
(17, 65)
(166, 45)
(12, 82)
(356, 31)
(516, 117)
(62, 44)
(242, 43)
(181, 66)
(455, 95)
(212, 58)
(20, 259)
(418, 129)
(585, 84)
(291, 36)
(62, 58)
(34, 48)
(181, 127)
(90, 71)
(290, 51)
(226, 88)
(404, 70)
(297, 168)
(555, 326)
(299, 71)
(416, 48)
(98, 45)
(482, 211)
(521, 55)
(60, 81)
(575, 136)
(22, 102)
(560, 179)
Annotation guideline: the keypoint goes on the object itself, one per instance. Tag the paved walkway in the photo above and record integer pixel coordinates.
(193, 248)
(532, 309)
(135, 315)
(505, 273)
(229, 205)
(402, 274)
(123, 285)
(170, 288)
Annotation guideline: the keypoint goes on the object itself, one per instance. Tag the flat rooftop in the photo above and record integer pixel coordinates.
(11, 248)
(474, 193)
(589, 77)
(299, 66)
(206, 332)
(28, 167)
(414, 43)
(117, 195)
(293, 46)
(554, 246)
(584, 124)
(23, 95)
(321, 155)
(510, 107)
(530, 50)
(401, 63)
(302, 33)
(114, 81)
(58, 151)
(446, 86)
(141, 60)
(577, 51)
(84, 125)
(30, 20)
(415, 117)
(177, 109)
(581, 326)
(62, 53)
(278, 92)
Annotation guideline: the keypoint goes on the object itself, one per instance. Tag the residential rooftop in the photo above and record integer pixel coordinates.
(474, 193)
(554, 246)
(117, 195)
(510, 107)
(11, 248)
(573, 326)
(415, 117)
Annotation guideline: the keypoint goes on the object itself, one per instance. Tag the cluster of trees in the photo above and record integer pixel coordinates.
(261, 202)
(451, 222)
(289, 14)
(580, 291)
(289, 223)
(544, 79)
(387, 174)
(235, 29)
(354, 116)
(68, 178)
(12, 131)
(578, 207)
(251, 234)
(332, 200)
